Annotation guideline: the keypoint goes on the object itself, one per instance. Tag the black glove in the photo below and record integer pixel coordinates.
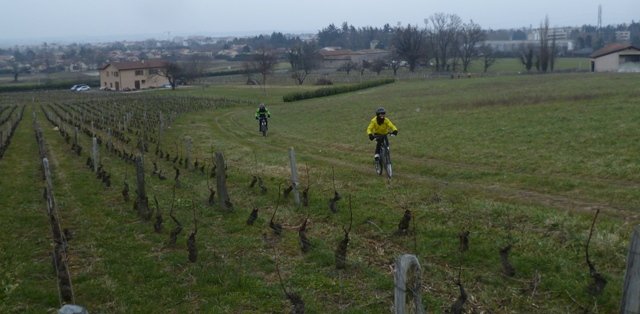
(371, 137)
(395, 132)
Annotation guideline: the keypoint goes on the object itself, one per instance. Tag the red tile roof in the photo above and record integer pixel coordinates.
(133, 65)
(333, 53)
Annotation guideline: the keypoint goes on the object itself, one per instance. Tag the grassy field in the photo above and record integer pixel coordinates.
(521, 160)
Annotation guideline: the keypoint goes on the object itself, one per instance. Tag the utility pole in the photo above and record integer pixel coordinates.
(599, 18)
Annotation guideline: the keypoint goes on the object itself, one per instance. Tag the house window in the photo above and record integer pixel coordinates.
(631, 58)
(139, 72)
(115, 74)
(153, 71)
(107, 73)
(143, 82)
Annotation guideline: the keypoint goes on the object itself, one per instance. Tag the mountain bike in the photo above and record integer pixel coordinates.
(384, 161)
(263, 126)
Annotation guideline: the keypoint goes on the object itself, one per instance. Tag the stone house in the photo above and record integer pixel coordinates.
(133, 75)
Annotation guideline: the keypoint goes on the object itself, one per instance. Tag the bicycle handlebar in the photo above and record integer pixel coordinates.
(383, 135)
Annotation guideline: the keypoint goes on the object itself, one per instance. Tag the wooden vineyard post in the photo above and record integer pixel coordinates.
(631, 288)
(65, 289)
(51, 204)
(160, 130)
(94, 154)
(294, 176)
(75, 136)
(221, 185)
(188, 144)
(407, 265)
(109, 143)
(142, 202)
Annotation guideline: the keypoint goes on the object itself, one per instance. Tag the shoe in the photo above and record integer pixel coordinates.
(376, 157)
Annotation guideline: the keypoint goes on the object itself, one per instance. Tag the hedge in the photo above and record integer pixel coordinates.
(230, 72)
(328, 91)
(45, 86)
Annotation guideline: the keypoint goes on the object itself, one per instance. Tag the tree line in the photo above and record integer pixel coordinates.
(445, 43)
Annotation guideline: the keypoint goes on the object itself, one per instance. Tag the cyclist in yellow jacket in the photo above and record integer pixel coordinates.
(380, 126)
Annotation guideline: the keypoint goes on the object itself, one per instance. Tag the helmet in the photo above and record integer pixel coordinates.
(261, 106)
(380, 111)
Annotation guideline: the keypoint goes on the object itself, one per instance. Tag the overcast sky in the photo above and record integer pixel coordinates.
(74, 20)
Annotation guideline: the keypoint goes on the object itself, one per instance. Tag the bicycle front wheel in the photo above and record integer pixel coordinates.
(379, 167)
(387, 164)
(263, 129)
(389, 170)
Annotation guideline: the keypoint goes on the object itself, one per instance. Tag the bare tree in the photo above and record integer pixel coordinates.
(488, 57)
(348, 67)
(470, 35)
(263, 62)
(394, 62)
(446, 29)
(303, 59)
(526, 58)
(409, 43)
(378, 65)
(172, 72)
(543, 57)
(395, 66)
(364, 65)
(194, 68)
(552, 55)
(16, 69)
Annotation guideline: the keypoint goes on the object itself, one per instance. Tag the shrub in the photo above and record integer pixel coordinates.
(328, 91)
(47, 86)
(323, 81)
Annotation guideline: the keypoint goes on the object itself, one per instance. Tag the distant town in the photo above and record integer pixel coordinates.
(51, 57)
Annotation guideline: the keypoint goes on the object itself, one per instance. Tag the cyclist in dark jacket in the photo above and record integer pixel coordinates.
(262, 113)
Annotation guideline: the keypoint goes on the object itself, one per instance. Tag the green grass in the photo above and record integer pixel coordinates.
(522, 160)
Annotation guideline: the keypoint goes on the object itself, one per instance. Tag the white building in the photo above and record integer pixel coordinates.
(616, 58)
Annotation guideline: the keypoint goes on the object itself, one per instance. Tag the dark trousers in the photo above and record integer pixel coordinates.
(379, 142)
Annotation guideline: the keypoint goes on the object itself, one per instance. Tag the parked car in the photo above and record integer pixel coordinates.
(80, 87)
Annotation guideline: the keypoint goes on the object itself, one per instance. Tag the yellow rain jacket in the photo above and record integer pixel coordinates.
(382, 129)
